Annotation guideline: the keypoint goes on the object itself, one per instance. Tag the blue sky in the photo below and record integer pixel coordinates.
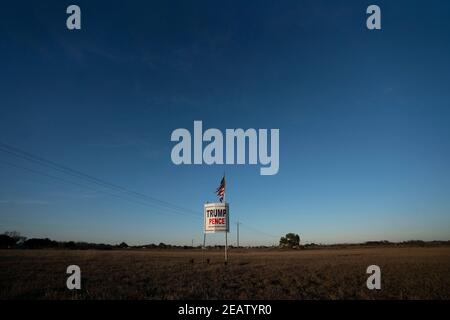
(363, 117)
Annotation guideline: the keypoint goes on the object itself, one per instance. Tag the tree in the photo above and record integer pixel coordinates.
(16, 236)
(6, 241)
(290, 240)
(123, 245)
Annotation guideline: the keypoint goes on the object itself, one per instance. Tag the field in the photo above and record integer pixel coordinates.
(407, 273)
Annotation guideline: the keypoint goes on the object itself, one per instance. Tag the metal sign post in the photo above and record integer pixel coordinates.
(226, 232)
(203, 248)
(226, 247)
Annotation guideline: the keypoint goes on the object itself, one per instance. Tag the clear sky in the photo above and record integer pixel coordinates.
(363, 116)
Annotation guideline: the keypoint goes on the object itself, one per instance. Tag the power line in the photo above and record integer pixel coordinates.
(81, 185)
(173, 208)
(80, 175)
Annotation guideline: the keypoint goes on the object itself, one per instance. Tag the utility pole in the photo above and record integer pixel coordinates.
(192, 243)
(237, 225)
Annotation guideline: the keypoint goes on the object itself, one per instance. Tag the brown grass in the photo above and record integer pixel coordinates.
(407, 273)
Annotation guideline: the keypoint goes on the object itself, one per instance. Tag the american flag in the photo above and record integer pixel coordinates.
(221, 189)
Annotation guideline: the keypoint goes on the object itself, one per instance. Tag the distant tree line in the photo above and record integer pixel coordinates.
(14, 240)
(292, 241)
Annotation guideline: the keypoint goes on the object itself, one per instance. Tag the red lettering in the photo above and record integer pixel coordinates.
(216, 220)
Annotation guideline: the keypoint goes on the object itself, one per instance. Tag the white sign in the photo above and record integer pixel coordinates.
(216, 217)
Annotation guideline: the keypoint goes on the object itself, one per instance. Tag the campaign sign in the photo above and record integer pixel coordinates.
(216, 217)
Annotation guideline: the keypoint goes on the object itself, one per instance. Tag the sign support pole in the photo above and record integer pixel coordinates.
(204, 247)
(226, 247)
(226, 231)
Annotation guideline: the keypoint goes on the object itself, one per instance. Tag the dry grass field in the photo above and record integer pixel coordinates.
(407, 273)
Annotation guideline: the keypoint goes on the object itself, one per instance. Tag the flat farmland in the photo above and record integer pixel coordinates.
(406, 273)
